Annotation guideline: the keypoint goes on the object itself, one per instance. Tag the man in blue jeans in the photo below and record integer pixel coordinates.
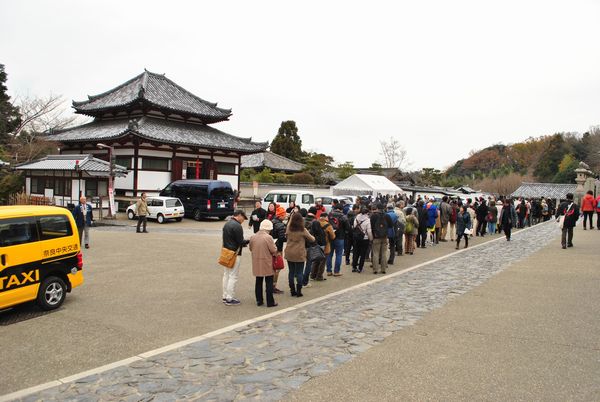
(309, 223)
(341, 225)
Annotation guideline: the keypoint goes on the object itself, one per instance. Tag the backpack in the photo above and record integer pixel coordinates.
(335, 223)
(379, 226)
(409, 227)
(318, 232)
(453, 216)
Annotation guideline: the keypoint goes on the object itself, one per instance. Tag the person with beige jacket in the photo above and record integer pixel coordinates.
(295, 251)
(141, 210)
(263, 250)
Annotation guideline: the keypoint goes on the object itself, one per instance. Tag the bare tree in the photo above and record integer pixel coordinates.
(39, 116)
(394, 155)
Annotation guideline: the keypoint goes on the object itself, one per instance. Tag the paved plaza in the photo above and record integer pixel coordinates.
(370, 342)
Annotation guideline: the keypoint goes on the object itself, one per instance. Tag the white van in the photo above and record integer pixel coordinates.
(304, 199)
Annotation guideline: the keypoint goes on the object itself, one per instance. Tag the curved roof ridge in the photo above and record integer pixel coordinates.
(182, 89)
(105, 93)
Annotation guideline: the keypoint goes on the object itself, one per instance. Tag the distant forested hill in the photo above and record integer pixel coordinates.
(551, 158)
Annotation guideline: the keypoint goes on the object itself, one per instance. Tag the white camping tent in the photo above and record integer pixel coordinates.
(366, 184)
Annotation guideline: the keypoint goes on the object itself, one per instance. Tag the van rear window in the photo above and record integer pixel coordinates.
(221, 192)
(173, 203)
(52, 227)
(16, 231)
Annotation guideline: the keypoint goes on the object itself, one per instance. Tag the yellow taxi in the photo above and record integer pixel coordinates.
(40, 255)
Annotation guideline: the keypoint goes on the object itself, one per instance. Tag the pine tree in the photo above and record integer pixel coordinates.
(287, 142)
(10, 117)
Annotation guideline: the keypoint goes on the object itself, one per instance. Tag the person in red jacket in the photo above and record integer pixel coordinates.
(588, 206)
(598, 212)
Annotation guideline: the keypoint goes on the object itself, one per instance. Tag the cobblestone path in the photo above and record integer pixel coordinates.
(266, 359)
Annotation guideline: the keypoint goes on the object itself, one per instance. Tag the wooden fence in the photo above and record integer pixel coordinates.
(26, 199)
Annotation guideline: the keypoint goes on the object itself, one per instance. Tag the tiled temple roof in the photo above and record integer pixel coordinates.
(546, 190)
(159, 130)
(85, 163)
(153, 91)
(272, 161)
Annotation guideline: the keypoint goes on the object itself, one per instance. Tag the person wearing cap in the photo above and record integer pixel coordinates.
(233, 239)
(263, 250)
(570, 211)
(319, 207)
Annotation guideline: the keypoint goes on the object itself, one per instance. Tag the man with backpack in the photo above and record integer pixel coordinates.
(361, 231)
(380, 223)
(570, 211)
(341, 227)
(349, 241)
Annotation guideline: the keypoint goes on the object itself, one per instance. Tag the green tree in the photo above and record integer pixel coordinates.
(431, 177)
(287, 142)
(10, 118)
(566, 170)
(345, 170)
(547, 166)
(247, 174)
(264, 176)
(317, 165)
(302, 178)
(377, 168)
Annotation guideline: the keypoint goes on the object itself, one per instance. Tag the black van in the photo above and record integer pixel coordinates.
(203, 198)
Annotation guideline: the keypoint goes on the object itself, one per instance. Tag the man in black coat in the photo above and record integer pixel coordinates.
(257, 216)
(570, 211)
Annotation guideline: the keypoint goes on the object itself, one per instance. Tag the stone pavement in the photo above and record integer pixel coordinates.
(268, 359)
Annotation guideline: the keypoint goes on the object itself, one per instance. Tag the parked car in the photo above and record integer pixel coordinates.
(304, 199)
(40, 256)
(203, 198)
(327, 201)
(161, 209)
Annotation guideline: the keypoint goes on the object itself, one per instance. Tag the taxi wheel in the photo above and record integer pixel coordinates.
(160, 218)
(197, 215)
(222, 218)
(52, 293)
(130, 214)
(178, 219)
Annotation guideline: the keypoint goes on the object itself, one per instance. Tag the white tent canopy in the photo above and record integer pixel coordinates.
(366, 184)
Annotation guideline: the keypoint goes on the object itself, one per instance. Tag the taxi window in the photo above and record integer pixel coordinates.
(16, 231)
(282, 198)
(157, 203)
(52, 227)
(269, 197)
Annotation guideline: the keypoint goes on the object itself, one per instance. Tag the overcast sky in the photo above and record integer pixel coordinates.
(444, 77)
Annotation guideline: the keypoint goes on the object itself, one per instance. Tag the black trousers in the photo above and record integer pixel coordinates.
(566, 238)
(588, 215)
(507, 230)
(460, 236)
(348, 247)
(421, 238)
(481, 224)
(258, 290)
(361, 247)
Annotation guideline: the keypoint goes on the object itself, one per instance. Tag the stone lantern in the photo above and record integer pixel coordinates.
(583, 179)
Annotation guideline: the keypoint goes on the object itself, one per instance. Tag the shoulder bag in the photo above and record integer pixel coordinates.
(227, 257)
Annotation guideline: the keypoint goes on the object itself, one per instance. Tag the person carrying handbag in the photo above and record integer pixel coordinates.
(295, 252)
(263, 250)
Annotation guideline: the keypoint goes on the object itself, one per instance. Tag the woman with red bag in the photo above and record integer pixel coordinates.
(263, 250)
(295, 251)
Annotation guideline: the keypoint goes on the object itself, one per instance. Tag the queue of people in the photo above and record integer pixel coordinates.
(315, 243)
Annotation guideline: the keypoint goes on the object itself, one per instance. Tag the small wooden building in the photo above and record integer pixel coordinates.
(160, 132)
(63, 178)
